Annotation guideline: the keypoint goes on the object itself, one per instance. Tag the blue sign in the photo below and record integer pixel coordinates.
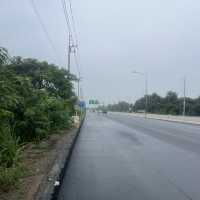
(82, 104)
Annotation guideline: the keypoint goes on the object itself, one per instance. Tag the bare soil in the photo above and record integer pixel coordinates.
(37, 160)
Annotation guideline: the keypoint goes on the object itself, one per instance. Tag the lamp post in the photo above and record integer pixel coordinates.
(184, 98)
(146, 89)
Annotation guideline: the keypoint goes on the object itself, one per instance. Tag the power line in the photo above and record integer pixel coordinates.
(71, 46)
(73, 22)
(76, 37)
(43, 26)
(66, 14)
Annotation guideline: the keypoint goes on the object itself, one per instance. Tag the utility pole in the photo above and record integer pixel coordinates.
(79, 79)
(184, 93)
(81, 93)
(71, 49)
(146, 94)
(69, 54)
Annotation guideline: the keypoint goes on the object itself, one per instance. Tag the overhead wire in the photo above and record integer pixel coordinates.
(43, 27)
(67, 18)
(76, 37)
(72, 30)
(73, 22)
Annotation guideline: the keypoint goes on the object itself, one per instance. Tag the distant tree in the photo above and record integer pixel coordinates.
(3, 56)
(171, 103)
(121, 106)
(155, 103)
(196, 107)
(139, 104)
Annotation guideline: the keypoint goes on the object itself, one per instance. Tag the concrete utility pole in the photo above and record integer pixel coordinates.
(184, 93)
(81, 93)
(78, 81)
(146, 90)
(71, 49)
(69, 52)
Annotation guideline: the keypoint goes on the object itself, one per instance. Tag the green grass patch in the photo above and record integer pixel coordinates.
(9, 177)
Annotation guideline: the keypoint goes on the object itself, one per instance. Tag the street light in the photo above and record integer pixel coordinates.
(184, 93)
(146, 89)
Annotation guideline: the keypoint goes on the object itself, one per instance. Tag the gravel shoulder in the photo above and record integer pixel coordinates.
(42, 163)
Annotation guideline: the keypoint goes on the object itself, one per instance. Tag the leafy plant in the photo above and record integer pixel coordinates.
(36, 98)
(9, 177)
(58, 112)
(3, 55)
(9, 147)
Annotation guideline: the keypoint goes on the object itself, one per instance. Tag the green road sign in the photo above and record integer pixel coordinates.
(93, 102)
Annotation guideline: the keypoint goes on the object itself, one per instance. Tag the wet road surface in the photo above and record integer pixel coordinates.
(121, 157)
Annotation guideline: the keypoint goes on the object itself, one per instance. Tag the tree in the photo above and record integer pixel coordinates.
(155, 103)
(3, 56)
(35, 97)
(171, 103)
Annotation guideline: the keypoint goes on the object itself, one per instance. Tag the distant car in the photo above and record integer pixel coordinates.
(104, 111)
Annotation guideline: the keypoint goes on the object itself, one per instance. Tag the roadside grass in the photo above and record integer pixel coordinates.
(10, 155)
(9, 177)
(12, 166)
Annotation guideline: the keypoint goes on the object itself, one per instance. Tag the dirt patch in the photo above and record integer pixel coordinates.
(37, 160)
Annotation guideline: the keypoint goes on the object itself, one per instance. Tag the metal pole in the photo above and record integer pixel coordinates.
(184, 99)
(146, 95)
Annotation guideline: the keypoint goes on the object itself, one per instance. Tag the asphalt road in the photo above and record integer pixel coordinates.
(120, 157)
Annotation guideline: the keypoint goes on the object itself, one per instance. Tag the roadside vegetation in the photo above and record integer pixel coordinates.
(170, 104)
(36, 99)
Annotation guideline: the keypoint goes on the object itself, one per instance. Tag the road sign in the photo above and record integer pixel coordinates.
(82, 104)
(93, 102)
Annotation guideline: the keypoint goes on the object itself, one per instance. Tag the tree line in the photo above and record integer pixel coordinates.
(170, 104)
(36, 99)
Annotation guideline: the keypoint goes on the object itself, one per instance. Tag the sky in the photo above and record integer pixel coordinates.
(157, 37)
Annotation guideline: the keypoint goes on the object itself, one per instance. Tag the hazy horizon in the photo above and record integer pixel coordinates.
(160, 38)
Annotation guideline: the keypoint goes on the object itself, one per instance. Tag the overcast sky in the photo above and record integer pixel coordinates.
(159, 37)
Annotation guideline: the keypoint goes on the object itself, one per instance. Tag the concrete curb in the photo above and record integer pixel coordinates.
(176, 121)
(171, 120)
(47, 189)
(162, 119)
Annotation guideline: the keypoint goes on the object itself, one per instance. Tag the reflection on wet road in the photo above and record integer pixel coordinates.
(120, 157)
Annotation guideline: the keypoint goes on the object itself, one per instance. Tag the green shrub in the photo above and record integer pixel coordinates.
(35, 97)
(9, 177)
(34, 126)
(9, 147)
(58, 113)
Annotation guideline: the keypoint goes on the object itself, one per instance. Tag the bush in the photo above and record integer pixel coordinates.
(9, 148)
(9, 177)
(58, 113)
(35, 98)
(34, 126)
